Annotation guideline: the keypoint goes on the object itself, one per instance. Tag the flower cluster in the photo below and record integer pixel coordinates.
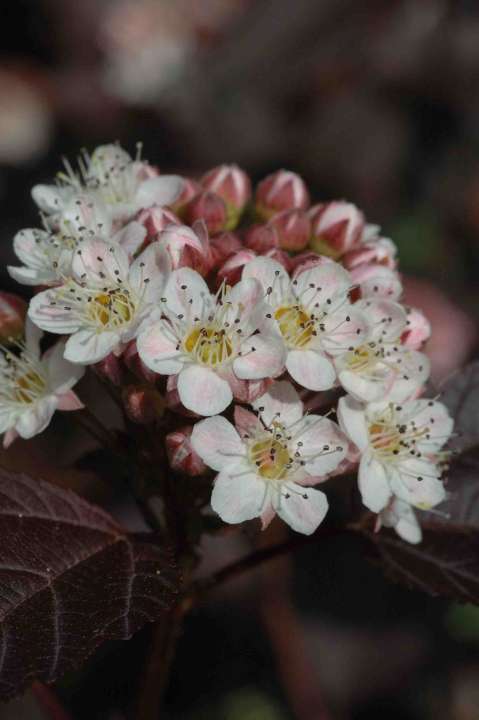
(226, 300)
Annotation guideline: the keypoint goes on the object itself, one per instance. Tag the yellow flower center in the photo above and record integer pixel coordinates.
(113, 308)
(29, 386)
(296, 326)
(209, 346)
(271, 457)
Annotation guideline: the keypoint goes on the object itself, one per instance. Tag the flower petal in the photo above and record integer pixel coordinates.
(311, 369)
(271, 275)
(238, 496)
(417, 482)
(187, 294)
(62, 374)
(217, 443)
(302, 508)
(280, 402)
(327, 283)
(322, 445)
(261, 356)
(130, 238)
(344, 329)
(98, 263)
(352, 421)
(161, 190)
(149, 272)
(202, 391)
(387, 319)
(50, 312)
(373, 482)
(36, 419)
(157, 347)
(87, 346)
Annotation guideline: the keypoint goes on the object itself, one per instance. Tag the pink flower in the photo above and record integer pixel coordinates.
(268, 464)
(231, 184)
(337, 227)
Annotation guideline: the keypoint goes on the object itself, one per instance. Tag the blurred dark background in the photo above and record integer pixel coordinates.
(376, 101)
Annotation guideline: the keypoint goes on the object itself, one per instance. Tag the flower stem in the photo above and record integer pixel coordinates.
(48, 702)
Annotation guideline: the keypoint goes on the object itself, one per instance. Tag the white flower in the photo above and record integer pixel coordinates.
(400, 450)
(102, 306)
(124, 185)
(382, 368)
(312, 315)
(209, 340)
(32, 387)
(267, 467)
(48, 254)
(400, 516)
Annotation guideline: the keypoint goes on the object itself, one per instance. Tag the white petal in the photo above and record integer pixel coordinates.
(270, 274)
(62, 374)
(202, 391)
(87, 346)
(50, 198)
(161, 190)
(238, 497)
(36, 419)
(149, 272)
(311, 369)
(323, 445)
(373, 481)
(157, 348)
(187, 293)
(387, 319)
(29, 248)
(99, 263)
(261, 356)
(302, 508)
(217, 443)
(30, 276)
(435, 417)
(281, 402)
(55, 318)
(417, 482)
(411, 373)
(321, 283)
(130, 238)
(33, 336)
(344, 329)
(352, 420)
(371, 386)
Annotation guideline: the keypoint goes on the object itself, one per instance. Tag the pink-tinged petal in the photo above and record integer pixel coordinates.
(303, 509)
(130, 238)
(417, 483)
(246, 422)
(371, 387)
(435, 417)
(322, 445)
(280, 402)
(69, 401)
(387, 319)
(248, 294)
(412, 371)
(28, 246)
(402, 518)
(186, 293)
(149, 272)
(261, 356)
(158, 349)
(272, 277)
(217, 443)
(320, 284)
(87, 346)
(311, 369)
(29, 276)
(203, 391)
(50, 311)
(161, 190)
(98, 263)
(62, 375)
(344, 329)
(36, 419)
(377, 281)
(238, 495)
(175, 238)
(9, 438)
(267, 516)
(418, 330)
(231, 270)
(352, 421)
(373, 482)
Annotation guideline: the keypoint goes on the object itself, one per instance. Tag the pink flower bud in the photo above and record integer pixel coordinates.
(134, 363)
(380, 252)
(155, 220)
(12, 316)
(190, 189)
(293, 228)
(262, 238)
(110, 368)
(418, 329)
(143, 404)
(283, 190)
(231, 184)
(211, 209)
(222, 246)
(181, 455)
(232, 269)
(336, 227)
(187, 247)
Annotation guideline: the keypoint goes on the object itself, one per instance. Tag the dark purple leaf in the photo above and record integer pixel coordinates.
(70, 578)
(445, 563)
(461, 395)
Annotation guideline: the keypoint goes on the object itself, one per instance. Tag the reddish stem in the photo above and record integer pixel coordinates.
(48, 702)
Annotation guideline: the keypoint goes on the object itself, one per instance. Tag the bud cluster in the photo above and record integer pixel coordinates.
(197, 295)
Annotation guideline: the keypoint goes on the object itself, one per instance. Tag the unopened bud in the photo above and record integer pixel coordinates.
(110, 368)
(189, 189)
(261, 238)
(232, 269)
(224, 245)
(143, 404)
(336, 227)
(211, 209)
(232, 185)
(381, 251)
(12, 316)
(283, 190)
(134, 363)
(187, 247)
(418, 329)
(293, 228)
(180, 453)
